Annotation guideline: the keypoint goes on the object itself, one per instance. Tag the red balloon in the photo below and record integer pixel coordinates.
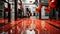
(6, 9)
(47, 9)
(37, 9)
(54, 1)
(20, 4)
(52, 4)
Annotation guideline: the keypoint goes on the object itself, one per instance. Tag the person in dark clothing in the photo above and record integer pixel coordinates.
(1, 8)
(58, 7)
(20, 13)
(28, 12)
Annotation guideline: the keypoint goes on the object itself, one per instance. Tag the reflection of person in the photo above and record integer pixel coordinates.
(30, 32)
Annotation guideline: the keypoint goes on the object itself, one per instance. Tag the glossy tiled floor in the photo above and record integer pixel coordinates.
(32, 26)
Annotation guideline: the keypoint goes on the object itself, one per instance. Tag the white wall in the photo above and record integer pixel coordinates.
(27, 1)
(43, 13)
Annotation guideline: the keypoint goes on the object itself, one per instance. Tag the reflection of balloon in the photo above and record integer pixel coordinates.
(37, 27)
(20, 25)
(37, 24)
(28, 24)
